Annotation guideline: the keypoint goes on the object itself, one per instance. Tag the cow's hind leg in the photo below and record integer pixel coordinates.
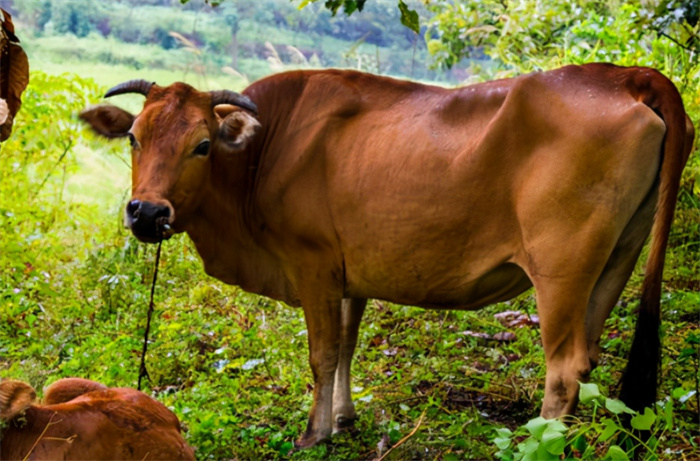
(617, 272)
(343, 409)
(561, 304)
(564, 265)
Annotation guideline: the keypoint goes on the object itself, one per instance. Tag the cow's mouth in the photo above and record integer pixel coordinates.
(154, 234)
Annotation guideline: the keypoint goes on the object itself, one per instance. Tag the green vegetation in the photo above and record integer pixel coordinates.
(218, 41)
(74, 284)
(612, 426)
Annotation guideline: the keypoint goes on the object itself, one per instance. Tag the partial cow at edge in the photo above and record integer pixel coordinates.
(325, 188)
(14, 74)
(83, 419)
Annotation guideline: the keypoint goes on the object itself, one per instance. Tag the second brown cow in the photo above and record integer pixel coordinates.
(82, 419)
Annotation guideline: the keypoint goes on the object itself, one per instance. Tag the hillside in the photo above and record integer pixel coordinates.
(228, 45)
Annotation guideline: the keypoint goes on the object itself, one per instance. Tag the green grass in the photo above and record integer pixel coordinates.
(101, 178)
(81, 56)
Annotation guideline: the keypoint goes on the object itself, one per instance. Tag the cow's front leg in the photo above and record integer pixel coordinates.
(323, 323)
(343, 409)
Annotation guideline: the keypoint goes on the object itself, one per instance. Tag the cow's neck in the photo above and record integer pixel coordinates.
(230, 228)
(224, 231)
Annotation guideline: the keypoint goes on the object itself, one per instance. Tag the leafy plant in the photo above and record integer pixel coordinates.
(614, 432)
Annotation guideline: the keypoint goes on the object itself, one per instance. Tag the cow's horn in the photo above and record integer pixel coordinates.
(132, 86)
(231, 97)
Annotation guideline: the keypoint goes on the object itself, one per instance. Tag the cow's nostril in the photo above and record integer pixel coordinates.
(162, 212)
(133, 208)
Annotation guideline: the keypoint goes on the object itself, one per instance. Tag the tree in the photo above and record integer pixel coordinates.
(231, 17)
(70, 17)
(526, 35)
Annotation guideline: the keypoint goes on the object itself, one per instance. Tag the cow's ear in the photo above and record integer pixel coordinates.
(15, 397)
(236, 126)
(108, 121)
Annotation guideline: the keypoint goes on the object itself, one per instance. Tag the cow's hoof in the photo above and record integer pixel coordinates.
(343, 424)
(308, 440)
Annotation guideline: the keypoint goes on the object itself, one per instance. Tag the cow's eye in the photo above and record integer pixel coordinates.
(132, 140)
(202, 148)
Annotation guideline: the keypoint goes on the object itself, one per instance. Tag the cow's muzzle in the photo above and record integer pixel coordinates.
(149, 222)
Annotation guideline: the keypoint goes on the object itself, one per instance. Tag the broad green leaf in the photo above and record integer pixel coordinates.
(504, 432)
(679, 392)
(529, 445)
(541, 454)
(409, 17)
(503, 438)
(616, 453)
(645, 421)
(501, 442)
(610, 429)
(589, 392)
(334, 5)
(553, 441)
(617, 406)
(556, 425)
(350, 6)
(537, 426)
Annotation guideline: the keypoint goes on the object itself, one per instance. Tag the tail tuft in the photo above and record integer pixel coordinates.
(640, 380)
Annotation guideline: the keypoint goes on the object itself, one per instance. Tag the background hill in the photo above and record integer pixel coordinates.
(228, 45)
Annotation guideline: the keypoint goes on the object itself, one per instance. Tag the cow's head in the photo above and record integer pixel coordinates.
(173, 140)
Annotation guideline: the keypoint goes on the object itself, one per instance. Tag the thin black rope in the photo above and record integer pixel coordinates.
(142, 369)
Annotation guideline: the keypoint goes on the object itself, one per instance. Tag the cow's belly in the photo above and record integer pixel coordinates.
(443, 290)
(500, 284)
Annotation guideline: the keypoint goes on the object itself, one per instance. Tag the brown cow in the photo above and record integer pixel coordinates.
(14, 74)
(82, 419)
(337, 186)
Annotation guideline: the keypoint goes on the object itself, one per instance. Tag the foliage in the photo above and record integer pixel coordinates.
(614, 432)
(523, 35)
(409, 17)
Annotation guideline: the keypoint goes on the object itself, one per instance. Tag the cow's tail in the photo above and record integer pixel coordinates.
(640, 379)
